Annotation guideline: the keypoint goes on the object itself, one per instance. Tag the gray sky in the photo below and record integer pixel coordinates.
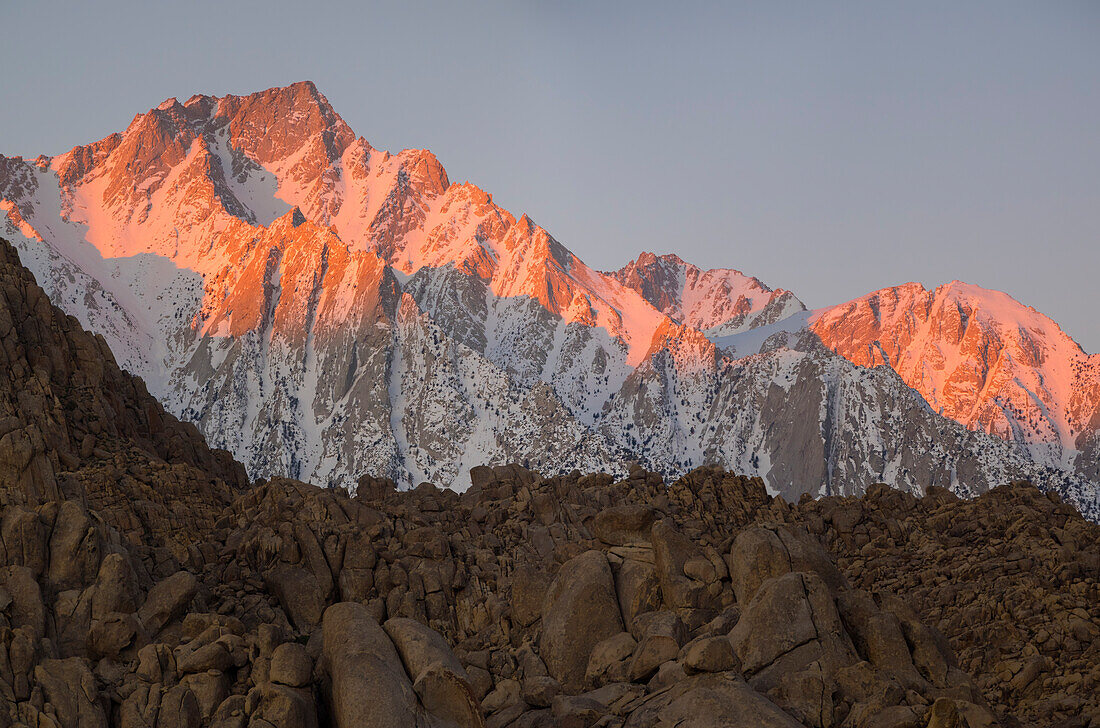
(831, 149)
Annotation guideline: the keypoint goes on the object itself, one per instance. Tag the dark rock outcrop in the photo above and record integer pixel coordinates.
(1009, 580)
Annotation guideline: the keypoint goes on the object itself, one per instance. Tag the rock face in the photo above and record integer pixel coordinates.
(368, 684)
(982, 359)
(700, 602)
(324, 310)
(720, 302)
(1011, 578)
(579, 611)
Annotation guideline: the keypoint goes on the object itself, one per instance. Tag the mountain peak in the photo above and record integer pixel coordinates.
(278, 120)
(301, 96)
(306, 85)
(646, 259)
(721, 299)
(976, 355)
(297, 93)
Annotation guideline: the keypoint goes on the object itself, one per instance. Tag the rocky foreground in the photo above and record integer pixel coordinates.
(144, 582)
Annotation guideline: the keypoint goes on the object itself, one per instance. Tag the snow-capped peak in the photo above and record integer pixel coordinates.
(722, 301)
(978, 356)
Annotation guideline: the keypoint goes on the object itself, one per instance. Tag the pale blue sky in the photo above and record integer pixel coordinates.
(831, 149)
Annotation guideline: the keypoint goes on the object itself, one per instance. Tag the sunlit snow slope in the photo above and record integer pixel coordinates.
(981, 358)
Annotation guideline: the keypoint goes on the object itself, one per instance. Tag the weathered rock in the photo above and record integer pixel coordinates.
(944, 714)
(540, 690)
(24, 537)
(610, 660)
(663, 623)
(673, 551)
(708, 654)
(282, 705)
(652, 652)
(529, 587)
(210, 656)
(438, 677)
(637, 588)
(210, 689)
(420, 646)
(356, 576)
(579, 611)
(115, 588)
(447, 695)
(230, 714)
(624, 525)
(369, 684)
(179, 708)
(111, 634)
(156, 664)
(299, 593)
(75, 548)
(668, 674)
(760, 553)
(577, 710)
(290, 665)
(929, 651)
(167, 601)
(70, 688)
(719, 700)
(506, 693)
(27, 609)
(787, 612)
(878, 637)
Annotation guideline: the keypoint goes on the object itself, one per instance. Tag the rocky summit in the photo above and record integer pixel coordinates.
(144, 581)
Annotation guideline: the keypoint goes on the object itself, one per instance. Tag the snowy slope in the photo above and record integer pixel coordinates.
(720, 301)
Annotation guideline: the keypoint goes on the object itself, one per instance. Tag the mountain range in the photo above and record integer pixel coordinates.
(145, 581)
(325, 310)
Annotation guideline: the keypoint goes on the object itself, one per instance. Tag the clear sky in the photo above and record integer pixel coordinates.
(828, 148)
